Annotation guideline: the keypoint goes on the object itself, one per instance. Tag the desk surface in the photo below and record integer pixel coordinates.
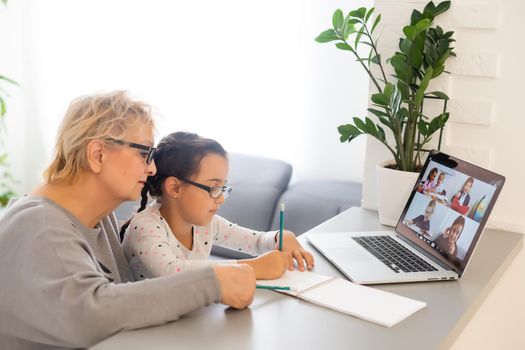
(283, 322)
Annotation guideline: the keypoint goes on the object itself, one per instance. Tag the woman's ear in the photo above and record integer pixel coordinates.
(172, 186)
(95, 153)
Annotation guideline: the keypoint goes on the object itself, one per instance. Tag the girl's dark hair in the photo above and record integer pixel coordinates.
(433, 170)
(470, 179)
(178, 154)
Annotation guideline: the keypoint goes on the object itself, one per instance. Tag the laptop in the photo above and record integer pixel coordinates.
(435, 236)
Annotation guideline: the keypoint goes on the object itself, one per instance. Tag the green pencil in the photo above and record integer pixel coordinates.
(281, 226)
(272, 287)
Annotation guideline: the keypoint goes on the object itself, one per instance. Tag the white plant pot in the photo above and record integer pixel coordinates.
(393, 190)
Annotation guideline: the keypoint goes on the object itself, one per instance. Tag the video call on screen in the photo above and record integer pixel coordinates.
(447, 208)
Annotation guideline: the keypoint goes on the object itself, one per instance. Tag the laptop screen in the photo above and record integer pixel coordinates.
(448, 208)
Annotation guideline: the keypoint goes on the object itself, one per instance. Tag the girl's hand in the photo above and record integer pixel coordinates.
(292, 249)
(267, 266)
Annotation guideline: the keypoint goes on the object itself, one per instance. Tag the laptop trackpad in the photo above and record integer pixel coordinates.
(348, 255)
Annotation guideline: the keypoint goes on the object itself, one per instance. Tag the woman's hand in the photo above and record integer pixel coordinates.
(267, 266)
(293, 250)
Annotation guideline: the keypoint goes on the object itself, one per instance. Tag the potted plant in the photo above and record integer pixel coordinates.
(6, 180)
(398, 101)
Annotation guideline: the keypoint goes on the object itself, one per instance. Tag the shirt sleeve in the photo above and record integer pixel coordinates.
(152, 252)
(242, 239)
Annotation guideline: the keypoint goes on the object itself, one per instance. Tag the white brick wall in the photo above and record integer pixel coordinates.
(487, 122)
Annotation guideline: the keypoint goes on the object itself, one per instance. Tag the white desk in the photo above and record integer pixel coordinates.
(276, 321)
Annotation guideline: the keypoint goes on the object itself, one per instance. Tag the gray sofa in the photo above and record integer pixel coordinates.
(260, 184)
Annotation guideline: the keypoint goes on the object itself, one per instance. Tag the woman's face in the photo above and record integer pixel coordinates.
(125, 171)
(432, 175)
(196, 205)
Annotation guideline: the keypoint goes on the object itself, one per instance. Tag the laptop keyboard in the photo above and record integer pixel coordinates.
(393, 254)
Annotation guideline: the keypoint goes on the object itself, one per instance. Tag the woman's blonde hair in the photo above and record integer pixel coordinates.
(90, 117)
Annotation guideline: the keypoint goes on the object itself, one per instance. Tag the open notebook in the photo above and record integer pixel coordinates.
(338, 294)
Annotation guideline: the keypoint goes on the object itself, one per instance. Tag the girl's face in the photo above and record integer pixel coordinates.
(467, 187)
(196, 205)
(428, 212)
(455, 232)
(432, 175)
(125, 170)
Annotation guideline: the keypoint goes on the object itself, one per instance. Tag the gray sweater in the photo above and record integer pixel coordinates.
(64, 285)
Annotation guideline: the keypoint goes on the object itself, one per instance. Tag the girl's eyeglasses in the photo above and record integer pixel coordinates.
(214, 191)
(146, 152)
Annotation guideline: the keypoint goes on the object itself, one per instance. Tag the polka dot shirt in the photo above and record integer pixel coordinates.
(153, 250)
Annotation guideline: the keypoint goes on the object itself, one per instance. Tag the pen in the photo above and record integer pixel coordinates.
(281, 225)
(272, 287)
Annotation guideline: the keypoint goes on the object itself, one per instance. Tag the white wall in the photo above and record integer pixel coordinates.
(246, 73)
(486, 125)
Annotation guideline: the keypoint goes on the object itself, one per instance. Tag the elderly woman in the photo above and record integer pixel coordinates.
(65, 280)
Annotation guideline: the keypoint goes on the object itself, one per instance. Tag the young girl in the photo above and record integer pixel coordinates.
(429, 184)
(460, 201)
(446, 241)
(176, 232)
(423, 221)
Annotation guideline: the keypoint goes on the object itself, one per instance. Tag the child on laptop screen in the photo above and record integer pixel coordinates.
(446, 241)
(423, 221)
(460, 201)
(175, 233)
(429, 184)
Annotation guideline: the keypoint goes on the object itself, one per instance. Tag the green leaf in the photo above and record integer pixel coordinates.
(416, 17)
(369, 13)
(337, 20)
(327, 36)
(388, 90)
(359, 13)
(377, 112)
(371, 127)
(438, 94)
(376, 22)
(348, 28)
(380, 99)
(422, 127)
(405, 45)
(358, 36)
(344, 46)
(360, 124)
(410, 32)
(431, 11)
(381, 133)
(422, 25)
(348, 132)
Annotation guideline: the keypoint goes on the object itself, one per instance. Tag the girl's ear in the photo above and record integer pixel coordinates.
(95, 152)
(172, 186)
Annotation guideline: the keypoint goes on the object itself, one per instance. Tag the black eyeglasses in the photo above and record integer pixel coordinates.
(214, 191)
(147, 152)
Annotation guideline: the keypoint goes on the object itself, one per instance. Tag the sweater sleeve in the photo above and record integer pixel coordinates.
(235, 237)
(57, 296)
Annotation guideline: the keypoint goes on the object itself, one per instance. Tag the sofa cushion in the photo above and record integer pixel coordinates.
(257, 183)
